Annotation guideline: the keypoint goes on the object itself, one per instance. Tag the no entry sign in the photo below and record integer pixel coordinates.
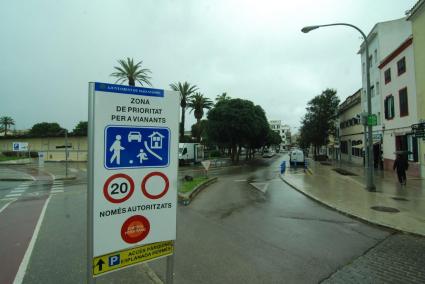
(133, 145)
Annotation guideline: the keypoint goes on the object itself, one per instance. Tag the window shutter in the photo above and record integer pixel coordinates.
(386, 108)
(392, 106)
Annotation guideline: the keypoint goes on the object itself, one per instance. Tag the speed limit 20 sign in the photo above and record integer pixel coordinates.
(133, 144)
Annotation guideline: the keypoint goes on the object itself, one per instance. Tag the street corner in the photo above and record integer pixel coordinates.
(187, 197)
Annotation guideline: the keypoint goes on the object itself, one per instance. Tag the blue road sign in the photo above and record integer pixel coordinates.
(114, 260)
(16, 147)
(128, 147)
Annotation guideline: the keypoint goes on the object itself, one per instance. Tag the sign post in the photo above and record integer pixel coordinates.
(133, 160)
(206, 164)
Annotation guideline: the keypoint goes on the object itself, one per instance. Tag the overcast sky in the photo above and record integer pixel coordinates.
(253, 50)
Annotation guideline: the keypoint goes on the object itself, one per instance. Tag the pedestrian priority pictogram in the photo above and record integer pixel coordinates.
(136, 147)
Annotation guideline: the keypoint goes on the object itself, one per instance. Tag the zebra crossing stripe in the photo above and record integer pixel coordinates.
(17, 190)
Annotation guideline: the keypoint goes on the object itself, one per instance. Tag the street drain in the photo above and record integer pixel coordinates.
(385, 209)
(400, 198)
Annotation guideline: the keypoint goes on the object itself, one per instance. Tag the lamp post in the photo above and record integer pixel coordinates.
(369, 153)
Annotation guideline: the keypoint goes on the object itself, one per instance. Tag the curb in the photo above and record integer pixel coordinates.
(65, 178)
(16, 179)
(384, 226)
(345, 213)
(187, 197)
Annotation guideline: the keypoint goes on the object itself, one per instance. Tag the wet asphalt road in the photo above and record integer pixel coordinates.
(236, 233)
(232, 232)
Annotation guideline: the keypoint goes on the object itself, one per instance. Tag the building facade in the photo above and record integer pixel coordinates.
(350, 130)
(417, 18)
(383, 39)
(398, 103)
(52, 147)
(284, 132)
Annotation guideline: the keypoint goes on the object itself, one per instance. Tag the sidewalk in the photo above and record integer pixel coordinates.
(348, 195)
(33, 171)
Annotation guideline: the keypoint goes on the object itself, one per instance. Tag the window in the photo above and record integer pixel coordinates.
(389, 107)
(372, 91)
(363, 68)
(412, 148)
(404, 106)
(387, 75)
(356, 148)
(401, 66)
(344, 147)
(377, 88)
(375, 53)
(407, 143)
(370, 61)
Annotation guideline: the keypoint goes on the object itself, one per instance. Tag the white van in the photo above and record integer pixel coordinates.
(296, 157)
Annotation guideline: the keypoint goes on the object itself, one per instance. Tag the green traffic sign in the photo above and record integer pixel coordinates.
(372, 120)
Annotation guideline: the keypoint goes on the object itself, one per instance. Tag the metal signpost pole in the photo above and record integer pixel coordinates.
(90, 278)
(170, 269)
(66, 153)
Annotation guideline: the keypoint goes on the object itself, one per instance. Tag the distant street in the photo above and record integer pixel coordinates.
(249, 227)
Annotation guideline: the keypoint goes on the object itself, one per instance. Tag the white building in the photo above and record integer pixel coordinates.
(383, 39)
(399, 105)
(284, 132)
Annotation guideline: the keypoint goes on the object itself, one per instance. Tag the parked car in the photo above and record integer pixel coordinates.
(268, 153)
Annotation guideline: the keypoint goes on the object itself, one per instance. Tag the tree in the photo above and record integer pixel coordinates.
(222, 97)
(127, 70)
(273, 138)
(5, 122)
(45, 129)
(319, 121)
(185, 90)
(80, 129)
(237, 123)
(197, 104)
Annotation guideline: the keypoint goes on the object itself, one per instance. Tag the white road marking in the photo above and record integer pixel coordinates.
(261, 186)
(24, 264)
(17, 190)
(73, 170)
(56, 191)
(240, 180)
(7, 204)
(57, 187)
(13, 195)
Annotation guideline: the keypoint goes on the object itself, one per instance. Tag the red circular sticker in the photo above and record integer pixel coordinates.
(118, 188)
(135, 229)
(162, 193)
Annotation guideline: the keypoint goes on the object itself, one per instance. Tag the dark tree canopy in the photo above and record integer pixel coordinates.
(319, 121)
(45, 129)
(80, 129)
(237, 123)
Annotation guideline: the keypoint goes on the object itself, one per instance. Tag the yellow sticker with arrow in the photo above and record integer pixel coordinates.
(124, 258)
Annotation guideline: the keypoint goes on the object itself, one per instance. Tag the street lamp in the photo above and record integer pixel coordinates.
(369, 183)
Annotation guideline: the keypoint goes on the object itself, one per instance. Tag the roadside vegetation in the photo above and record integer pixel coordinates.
(321, 116)
(187, 186)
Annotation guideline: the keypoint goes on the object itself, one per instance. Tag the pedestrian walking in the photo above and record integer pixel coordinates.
(401, 165)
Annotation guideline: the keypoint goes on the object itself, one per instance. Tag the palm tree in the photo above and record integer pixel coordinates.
(131, 72)
(223, 97)
(6, 121)
(185, 90)
(197, 104)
